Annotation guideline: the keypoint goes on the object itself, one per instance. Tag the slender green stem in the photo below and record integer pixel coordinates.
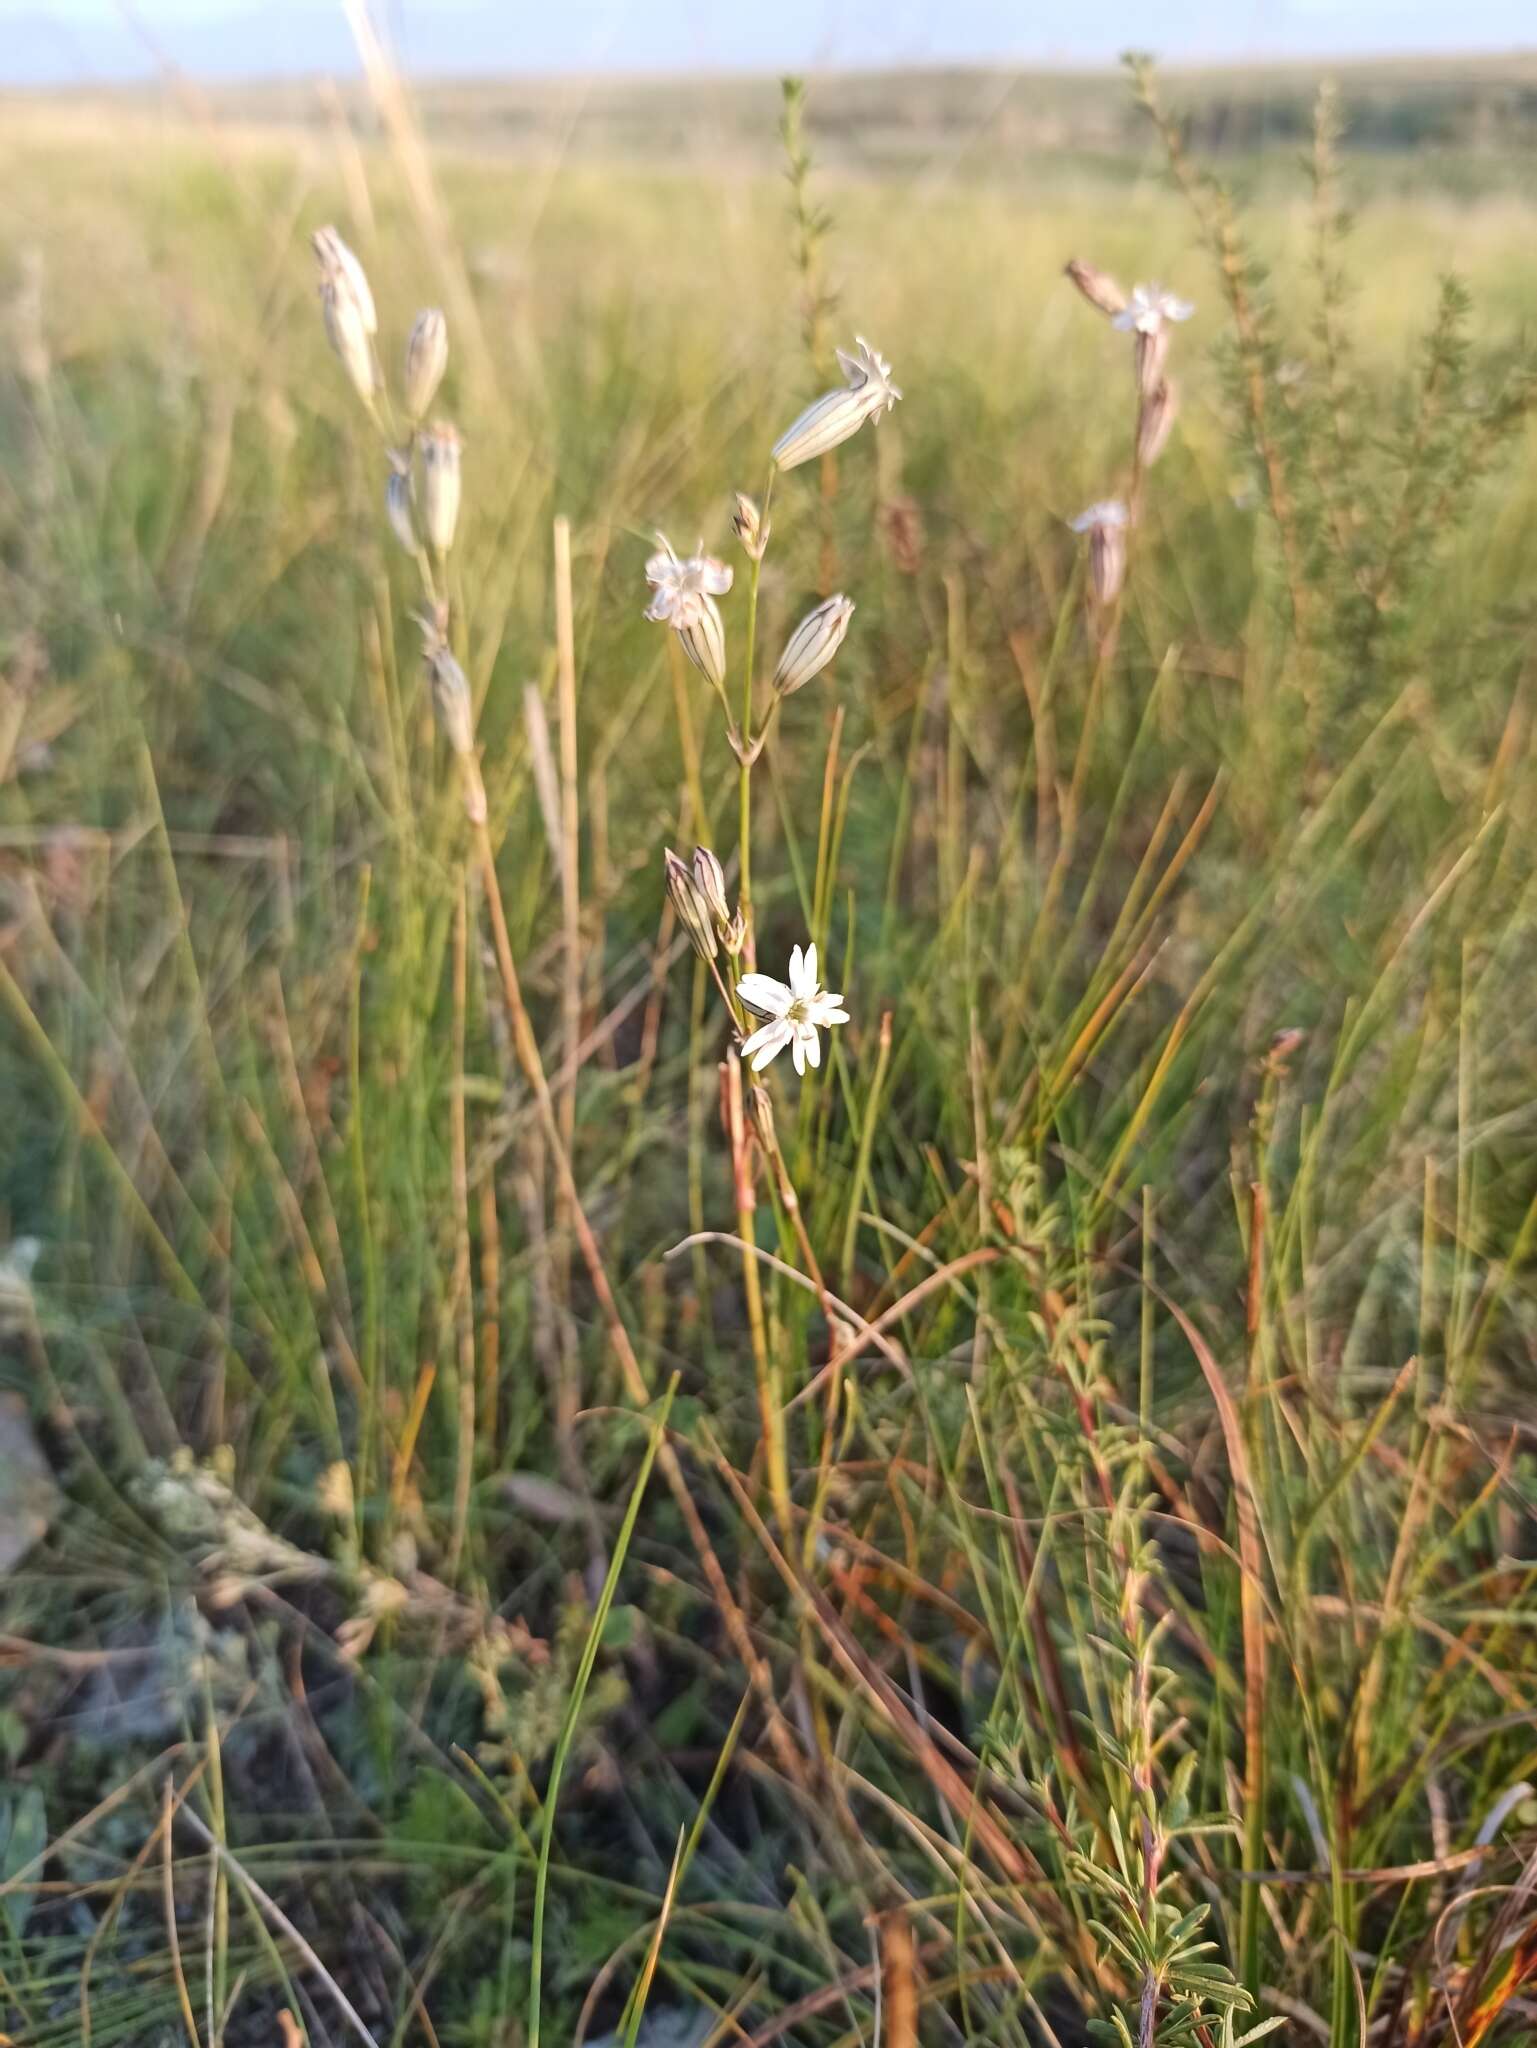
(579, 1686)
(744, 772)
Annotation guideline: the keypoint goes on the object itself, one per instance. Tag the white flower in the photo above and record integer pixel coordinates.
(1149, 307)
(868, 393)
(794, 1013)
(1108, 512)
(681, 588)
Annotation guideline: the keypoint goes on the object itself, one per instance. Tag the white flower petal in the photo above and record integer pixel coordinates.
(803, 972)
(767, 1044)
(762, 993)
(813, 1044)
(798, 1052)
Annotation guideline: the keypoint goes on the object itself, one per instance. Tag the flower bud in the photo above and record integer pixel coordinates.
(347, 305)
(734, 937)
(868, 393)
(339, 266)
(1098, 287)
(1156, 422)
(711, 880)
(749, 527)
(1105, 524)
(813, 644)
(687, 900)
(426, 360)
(397, 506)
(704, 640)
(440, 485)
(451, 694)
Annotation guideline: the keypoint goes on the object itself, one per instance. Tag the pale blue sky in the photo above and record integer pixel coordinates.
(43, 40)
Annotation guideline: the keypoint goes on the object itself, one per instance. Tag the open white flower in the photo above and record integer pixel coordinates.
(1108, 512)
(868, 393)
(794, 1013)
(680, 588)
(1148, 308)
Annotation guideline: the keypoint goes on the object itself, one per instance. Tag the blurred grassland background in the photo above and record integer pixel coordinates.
(316, 1444)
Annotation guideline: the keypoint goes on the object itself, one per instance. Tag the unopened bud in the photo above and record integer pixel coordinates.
(704, 640)
(813, 644)
(338, 265)
(1156, 423)
(1098, 287)
(1152, 355)
(711, 880)
(426, 360)
(348, 307)
(1105, 524)
(687, 900)
(734, 937)
(749, 527)
(397, 506)
(450, 691)
(440, 485)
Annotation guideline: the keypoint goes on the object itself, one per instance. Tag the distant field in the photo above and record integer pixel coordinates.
(1466, 124)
